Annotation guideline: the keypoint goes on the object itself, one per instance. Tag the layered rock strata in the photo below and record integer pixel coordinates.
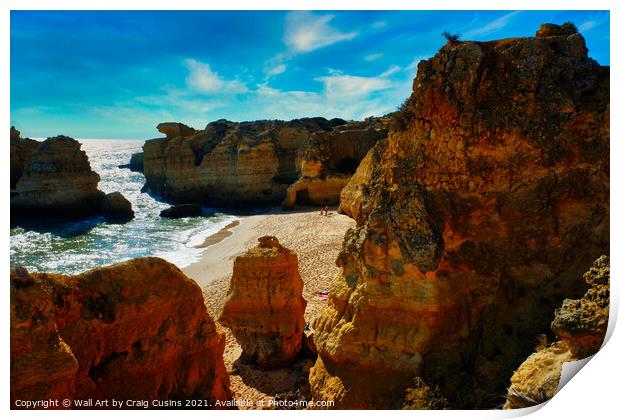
(329, 159)
(135, 330)
(54, 178)
(580, 326)
(487, 202)
(228, 164)
(264, 307)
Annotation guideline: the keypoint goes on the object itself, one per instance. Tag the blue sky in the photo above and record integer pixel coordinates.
(117, 74)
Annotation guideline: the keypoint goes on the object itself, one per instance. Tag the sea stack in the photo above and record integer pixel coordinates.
(134, 330)
(54, 178)
(489, 200)
(265, 307)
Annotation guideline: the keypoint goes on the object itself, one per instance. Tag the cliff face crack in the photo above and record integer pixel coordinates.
(99, 370)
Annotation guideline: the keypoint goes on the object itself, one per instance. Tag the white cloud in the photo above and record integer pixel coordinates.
(307, 32)
(275, 70)
(379, 24)
(373, 57)
(347, 86)
(392, 70)
(342, 95)
(204, 80)
(586, 26)
(492, 26)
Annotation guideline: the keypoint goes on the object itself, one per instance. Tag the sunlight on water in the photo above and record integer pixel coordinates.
(78, 246)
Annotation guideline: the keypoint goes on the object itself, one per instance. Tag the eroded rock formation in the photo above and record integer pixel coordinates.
(351, 196)
(580, 326)
(116, 206)
(489, 199)
(54, 178)
(134, 330)
(228, 163)
(264, 306)
(136, 163)
(329, 159)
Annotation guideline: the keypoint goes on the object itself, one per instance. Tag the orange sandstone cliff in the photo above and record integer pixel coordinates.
(228, 163)
(475, 218)
(329, 159)
(133, 330)
(265, 307)
(580, 326)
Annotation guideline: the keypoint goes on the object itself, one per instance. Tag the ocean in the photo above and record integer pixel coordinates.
(73, 247)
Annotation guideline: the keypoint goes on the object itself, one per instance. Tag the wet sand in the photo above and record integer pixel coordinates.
(223, 233)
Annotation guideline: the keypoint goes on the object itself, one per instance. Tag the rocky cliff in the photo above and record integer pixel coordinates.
(264, 307)
(134, 330)
(54, 178)
(580, 326)
(488, 201)
(329, 159)
(351, 196)
(228, 163)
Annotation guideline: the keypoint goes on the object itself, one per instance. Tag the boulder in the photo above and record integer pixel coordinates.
(116, 206)
(179, 211)
(580, 326)
(264, 306)
(488, 203)
(134, 330)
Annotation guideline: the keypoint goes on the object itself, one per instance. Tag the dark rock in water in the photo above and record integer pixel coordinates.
(182, 210)
(136, 163)
(116, 206)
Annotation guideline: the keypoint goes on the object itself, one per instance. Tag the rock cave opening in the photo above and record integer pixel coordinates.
(302, 197)
(346, 165)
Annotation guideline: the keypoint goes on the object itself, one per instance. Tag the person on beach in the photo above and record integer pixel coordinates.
(324, 209)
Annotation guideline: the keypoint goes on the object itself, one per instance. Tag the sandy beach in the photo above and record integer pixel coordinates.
(317, 241)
